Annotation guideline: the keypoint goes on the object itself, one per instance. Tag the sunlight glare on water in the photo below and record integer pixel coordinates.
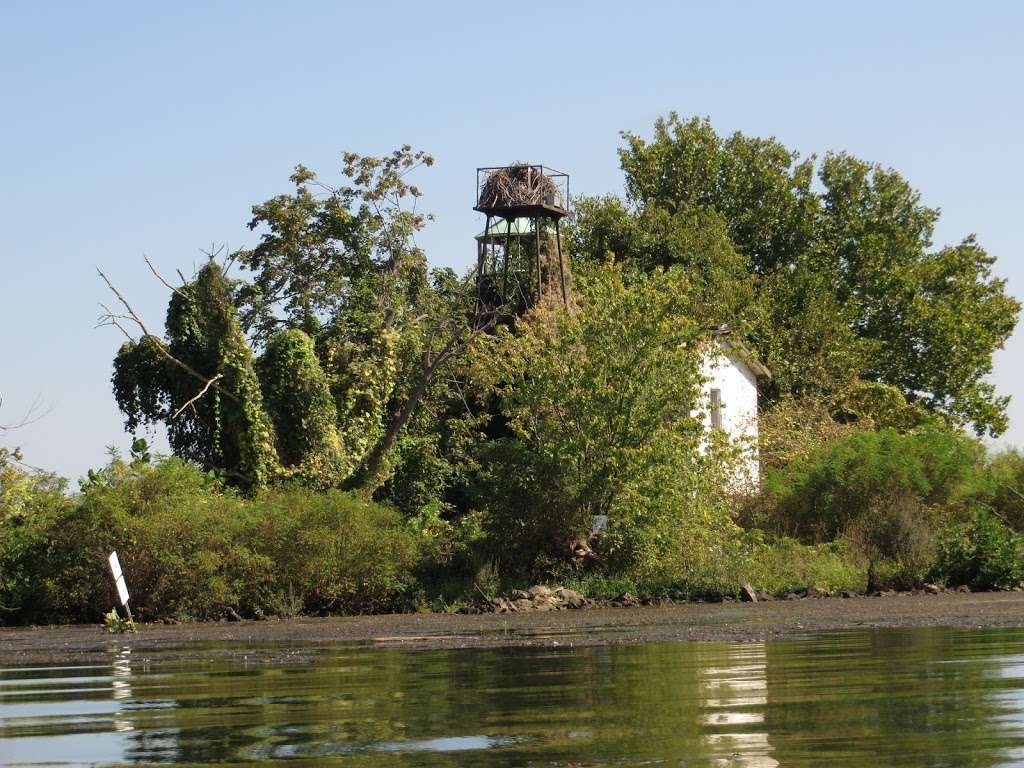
(929, 697)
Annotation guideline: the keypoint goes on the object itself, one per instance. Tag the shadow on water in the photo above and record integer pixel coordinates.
(923, 697)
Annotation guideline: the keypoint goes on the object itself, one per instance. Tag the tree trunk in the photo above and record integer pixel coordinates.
(872, 577)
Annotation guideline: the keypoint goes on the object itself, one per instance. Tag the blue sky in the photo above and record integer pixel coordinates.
(152, 128)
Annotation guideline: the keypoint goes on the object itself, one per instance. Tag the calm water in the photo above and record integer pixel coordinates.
(872, 698)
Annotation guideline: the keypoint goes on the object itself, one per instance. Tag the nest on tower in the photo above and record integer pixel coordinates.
(518, 185)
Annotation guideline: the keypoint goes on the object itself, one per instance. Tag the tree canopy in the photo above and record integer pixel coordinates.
(316, 366)
(828, 265)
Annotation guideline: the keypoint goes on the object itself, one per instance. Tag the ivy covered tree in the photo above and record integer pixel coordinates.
(354, 337)
(221, 424)
(837, 282)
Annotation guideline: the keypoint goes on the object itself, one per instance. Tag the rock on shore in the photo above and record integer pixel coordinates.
(539, 598)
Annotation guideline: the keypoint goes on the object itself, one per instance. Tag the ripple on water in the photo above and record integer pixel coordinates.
(925, 697)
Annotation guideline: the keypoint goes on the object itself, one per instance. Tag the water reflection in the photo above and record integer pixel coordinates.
(735, 696)
(879, 698)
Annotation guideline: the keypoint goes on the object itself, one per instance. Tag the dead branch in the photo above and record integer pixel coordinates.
(32, 414)
(159, 277)
(110, 318)
(201, 392)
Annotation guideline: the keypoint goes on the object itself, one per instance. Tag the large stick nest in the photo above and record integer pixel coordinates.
(518, 185)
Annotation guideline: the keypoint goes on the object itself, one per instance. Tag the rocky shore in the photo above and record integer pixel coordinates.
(544, 598)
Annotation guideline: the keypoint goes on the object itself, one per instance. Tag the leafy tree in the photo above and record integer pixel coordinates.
(934, 317)
(298, 398)
(760, 188)
(600, 406)
(355, 335)
(848, 284)
(691, 237)
(223, 425)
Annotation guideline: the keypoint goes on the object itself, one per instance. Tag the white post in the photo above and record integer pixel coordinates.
(119, 582)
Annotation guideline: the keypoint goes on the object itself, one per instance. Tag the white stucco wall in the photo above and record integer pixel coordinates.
(728, 373)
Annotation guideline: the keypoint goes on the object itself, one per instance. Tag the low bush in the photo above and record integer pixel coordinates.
(982, 553)
(778, 566)
(192, 549)
(1000, 487)
(772, 566)
(887, 492)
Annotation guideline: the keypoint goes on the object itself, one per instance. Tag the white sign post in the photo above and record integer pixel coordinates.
(122, 588)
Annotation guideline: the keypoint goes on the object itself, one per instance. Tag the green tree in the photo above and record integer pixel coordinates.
(298, 398)
(695, 238)
(356, 336)
(848, 284)
(600, 404)
(201, 382)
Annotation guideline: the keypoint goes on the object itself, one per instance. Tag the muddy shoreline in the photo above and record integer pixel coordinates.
(298, 638)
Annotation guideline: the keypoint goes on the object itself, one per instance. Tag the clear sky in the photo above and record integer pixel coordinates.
(149, 128)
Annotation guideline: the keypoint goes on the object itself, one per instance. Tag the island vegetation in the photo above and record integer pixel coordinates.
(350, 433)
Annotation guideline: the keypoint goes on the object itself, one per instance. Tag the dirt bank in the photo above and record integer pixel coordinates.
(727, 621)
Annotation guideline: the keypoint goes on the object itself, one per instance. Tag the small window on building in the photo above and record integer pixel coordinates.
(716, 408)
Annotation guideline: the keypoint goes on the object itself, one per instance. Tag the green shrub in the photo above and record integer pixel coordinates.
(887, 492)
(31, 506)
(192, 549)
(982, 553)
(339, 552)
(779, 566)
(597, 405)
(1000, 487)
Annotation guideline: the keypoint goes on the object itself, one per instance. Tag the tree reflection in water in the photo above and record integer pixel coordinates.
(879, 698)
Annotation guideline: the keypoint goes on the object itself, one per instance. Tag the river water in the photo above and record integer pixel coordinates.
(918, 697)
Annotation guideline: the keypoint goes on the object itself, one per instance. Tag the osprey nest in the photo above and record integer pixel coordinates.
(518, 185)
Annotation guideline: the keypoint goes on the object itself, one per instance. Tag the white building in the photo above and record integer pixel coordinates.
(730, 399)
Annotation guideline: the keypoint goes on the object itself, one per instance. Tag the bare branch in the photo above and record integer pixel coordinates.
(202, 392)
(112, 319)
(213, 253)
(159, 276)
(124, 302)
(32, 414)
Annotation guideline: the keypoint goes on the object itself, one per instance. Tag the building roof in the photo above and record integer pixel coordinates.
(521, 227)
(735, 347)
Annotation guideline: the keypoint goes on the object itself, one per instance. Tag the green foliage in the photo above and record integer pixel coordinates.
(213, 406)
(760, 188)
(598, 405)
(822, 496)
(1000, 487)
(30, 503)
(885, 491)
(806, 336)
(357, 339)
(982, 553)
(848, 284)
(934, 316)
(298, 398)
(192, 549)
(771, 565)
(117, 625)
(695, 239)
(779, 565)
